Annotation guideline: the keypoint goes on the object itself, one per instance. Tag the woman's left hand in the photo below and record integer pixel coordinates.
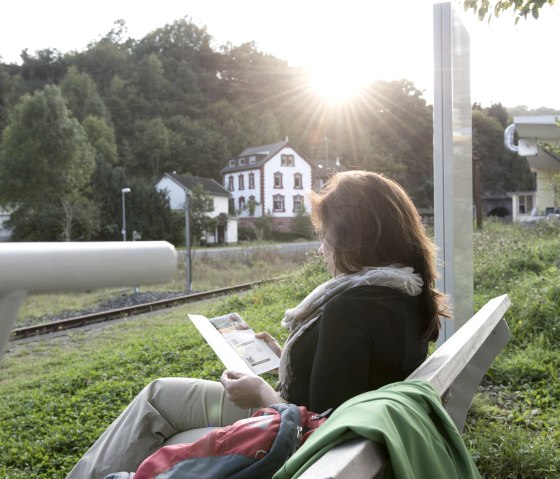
(248, 391)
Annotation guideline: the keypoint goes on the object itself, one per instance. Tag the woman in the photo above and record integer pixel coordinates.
(366, 327)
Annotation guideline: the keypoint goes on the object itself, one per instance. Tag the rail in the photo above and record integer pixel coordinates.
(86, 319)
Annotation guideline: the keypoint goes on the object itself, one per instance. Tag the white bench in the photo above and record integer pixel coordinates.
(31, 268)
(455, 370)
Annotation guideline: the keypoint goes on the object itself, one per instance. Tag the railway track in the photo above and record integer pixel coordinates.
(109, 315)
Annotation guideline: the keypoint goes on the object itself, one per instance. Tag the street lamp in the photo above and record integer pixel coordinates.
(188, 271)
(124, 191)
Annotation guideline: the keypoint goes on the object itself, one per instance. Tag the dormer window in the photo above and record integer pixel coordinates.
(252, 160)
(287, 160)
(231, 163)
(241, 161)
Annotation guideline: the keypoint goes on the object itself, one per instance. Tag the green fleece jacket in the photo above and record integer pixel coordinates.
(408, 419)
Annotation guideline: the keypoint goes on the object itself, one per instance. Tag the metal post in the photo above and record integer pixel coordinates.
(124, 191)
(188, 273)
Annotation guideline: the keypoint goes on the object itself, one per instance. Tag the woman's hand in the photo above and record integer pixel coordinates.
(272, 343)
(248, 391)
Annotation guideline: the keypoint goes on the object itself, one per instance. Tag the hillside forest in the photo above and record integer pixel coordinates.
(79, 126)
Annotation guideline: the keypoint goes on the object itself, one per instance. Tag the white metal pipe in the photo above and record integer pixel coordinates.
(509, 133)
(75, 266)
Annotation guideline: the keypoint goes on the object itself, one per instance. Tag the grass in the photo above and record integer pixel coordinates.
(208, 273)
(513, 427)
(58, 395)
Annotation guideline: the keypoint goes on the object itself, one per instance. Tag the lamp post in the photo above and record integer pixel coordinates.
(124, 191)
(188, 273)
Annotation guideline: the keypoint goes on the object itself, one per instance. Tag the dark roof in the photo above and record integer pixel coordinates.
(320, 167)
(262, 153)
(209, 185)
(267, 150)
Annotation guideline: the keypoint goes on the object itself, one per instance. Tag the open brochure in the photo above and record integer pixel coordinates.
(235, 344)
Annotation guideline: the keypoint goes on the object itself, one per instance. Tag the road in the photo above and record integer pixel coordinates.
(283, 248)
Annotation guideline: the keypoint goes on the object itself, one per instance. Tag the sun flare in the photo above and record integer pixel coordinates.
(336, 87)
(338, 82)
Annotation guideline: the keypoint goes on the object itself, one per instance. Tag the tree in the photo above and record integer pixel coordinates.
(6, 96)
(521, 8)
(82, 97)
(200, 204)
(500, 170)
(46, 160)
(301, 225)
(150, 147)
(102, 138)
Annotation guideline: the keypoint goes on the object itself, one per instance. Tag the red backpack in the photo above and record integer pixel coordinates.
(255, 447)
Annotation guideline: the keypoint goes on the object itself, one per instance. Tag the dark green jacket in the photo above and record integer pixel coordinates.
(408, 419)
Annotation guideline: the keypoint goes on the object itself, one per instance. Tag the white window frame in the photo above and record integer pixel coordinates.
(280, 184)
(298, 199)
(280, 198)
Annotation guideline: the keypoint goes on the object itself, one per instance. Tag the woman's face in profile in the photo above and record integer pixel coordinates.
(328, 257)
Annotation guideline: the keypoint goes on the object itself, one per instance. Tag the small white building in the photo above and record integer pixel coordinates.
(5, 232)
(178, 186)
(523, 206)
(535, 135)
(269, 179)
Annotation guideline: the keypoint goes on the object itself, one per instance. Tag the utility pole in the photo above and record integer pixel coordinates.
(124, 191)
(188, 273)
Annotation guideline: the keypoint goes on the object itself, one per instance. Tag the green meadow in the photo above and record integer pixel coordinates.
(59, 394)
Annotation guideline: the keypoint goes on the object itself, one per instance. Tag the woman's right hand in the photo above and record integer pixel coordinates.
(271, 341)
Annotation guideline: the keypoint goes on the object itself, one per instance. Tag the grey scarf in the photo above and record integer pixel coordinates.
(300, 318)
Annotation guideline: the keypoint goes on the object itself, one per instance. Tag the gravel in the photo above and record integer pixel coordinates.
(121, 301)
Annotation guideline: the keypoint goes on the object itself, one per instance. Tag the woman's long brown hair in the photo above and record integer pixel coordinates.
(368, 219)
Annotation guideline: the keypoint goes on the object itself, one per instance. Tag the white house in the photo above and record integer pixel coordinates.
(5, 232)
(178, 186)
(535, 135)
(269, 179)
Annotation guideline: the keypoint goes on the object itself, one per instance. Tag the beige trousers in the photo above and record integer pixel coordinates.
(163, 409)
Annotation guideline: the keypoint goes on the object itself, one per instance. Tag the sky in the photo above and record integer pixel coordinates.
(366, 39)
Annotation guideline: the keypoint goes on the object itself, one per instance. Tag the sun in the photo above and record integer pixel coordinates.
(338, 81)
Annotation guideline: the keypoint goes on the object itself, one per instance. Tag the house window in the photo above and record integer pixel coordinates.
(241, 179)
(287, 160)
(231, 163)
(242, 203)
(230, 183)
(241, 161)
(278, 180)
(298, 183)
(252, 160)
(251, 181)
(298, 203)
(278, 203)
(525, 204)
(210, 204)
